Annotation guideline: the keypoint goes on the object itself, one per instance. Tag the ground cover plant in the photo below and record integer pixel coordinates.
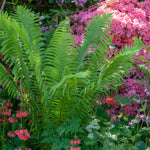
(68, 95)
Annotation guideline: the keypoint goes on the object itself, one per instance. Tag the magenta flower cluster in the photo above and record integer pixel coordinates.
(130, 19)
(133, 87)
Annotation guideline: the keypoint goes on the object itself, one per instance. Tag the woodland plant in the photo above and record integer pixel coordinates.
(59, 82)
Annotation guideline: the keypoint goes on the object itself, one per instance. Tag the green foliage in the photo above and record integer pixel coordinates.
(101, 113)
(141, 145)
(57, 143)
(72, 127)
(63, 80)
(125, 100)
(56, 137)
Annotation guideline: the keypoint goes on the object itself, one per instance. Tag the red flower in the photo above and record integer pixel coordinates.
(76, 142)
(7, 104)
(110, 100)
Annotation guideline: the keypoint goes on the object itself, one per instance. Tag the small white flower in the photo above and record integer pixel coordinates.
(111, 127)
(112, 47)
(89, 128)
(114, 137)
(90, 136)
(108, 133)
(41, 17)
(97, 127)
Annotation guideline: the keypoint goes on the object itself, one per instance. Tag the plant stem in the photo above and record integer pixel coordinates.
(110, 111)
(3, 4)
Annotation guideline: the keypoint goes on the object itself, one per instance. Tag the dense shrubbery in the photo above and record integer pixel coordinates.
(59, 94)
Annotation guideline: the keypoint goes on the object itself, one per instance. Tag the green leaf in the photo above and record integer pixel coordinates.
(51, 1)
(141, 145)
(125, 100)
(142, 58)
(101, 113)
(9, 146)
(17, 141)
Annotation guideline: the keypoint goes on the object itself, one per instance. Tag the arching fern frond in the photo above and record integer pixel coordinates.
(29, 21)
(60, 54)
(13, 50)
(8, 82)
(96, 35)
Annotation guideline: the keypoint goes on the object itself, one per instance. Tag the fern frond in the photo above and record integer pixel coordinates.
(132, 50)
(12, 49)
(96, 35)
(8, 82)
(60, 54)
(111, 74)
(29, 21)
(18, 48)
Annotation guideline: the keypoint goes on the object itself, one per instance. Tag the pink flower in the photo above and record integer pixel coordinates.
(11, 120)
(22, 134)
(21, 114)
(72, 148)
(10, 134)
(78, 141)
(130, 123)
(7, 112)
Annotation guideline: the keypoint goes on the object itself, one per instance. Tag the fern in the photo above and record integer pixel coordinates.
(60, 53)
(65, 78)
(8, 82)
(96, 35)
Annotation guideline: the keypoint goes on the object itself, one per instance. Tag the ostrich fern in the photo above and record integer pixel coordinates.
(65, 78)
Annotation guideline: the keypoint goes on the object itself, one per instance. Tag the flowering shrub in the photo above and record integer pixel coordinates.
(130, 19)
